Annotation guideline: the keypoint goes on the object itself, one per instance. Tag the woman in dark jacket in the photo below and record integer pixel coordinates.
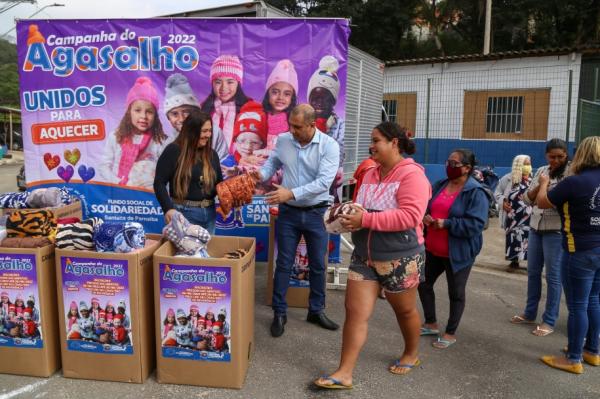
(455, 219)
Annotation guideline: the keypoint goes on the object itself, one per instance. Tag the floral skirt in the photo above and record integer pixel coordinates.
(394, 276)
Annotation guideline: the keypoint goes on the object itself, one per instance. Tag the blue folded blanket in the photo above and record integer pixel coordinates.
(119, 237)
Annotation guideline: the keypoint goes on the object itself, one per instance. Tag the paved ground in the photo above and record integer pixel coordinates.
(493, 358)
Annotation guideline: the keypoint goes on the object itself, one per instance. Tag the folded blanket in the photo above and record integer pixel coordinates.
(67, 220)
(119, 237)
(45, 198)
(2, 233)
(32, 223)
(14, 200)
(237, 254)
(25, 242)
(77, 236)
(189, 239)
(67, 198)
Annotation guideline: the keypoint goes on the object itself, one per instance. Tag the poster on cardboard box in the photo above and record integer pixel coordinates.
(96, 305)
(20, 319)
(195, 312)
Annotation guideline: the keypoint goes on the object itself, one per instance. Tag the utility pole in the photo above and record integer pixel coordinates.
(488, 27)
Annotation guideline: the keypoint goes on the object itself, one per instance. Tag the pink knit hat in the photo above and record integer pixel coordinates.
(171, 312)
(4, 294)
(285, 72)
(227, 66)
(193, 307)
(73, 305)
(95, 300)
(143, 89)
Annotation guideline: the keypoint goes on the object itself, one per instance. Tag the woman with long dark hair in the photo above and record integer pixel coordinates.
(544, 247)
(191, 168)
(388, 236)
(455, 219)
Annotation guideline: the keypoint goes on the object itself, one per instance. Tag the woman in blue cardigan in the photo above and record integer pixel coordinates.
(455, 219)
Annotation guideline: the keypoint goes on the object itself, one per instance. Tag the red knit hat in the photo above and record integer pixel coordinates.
(12, 308)
(251, 119)
(102, 314)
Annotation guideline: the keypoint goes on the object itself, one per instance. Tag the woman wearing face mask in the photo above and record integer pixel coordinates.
(455, 219)
(518, 212)
(191, 168)
(544, 245)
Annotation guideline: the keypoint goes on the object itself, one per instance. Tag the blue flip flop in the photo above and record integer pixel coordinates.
(442, 343)
(336, 384)
(408, 367)
(429, 331)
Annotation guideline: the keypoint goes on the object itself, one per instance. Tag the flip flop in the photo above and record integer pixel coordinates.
(442, 343)
(336, 384)
(408, 367)
(541, 331)
(518, 319)
(429, 331)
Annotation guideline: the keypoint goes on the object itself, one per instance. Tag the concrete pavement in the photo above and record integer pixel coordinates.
(492, 358)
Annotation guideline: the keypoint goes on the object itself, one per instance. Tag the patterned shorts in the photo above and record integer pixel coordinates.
(394, 276)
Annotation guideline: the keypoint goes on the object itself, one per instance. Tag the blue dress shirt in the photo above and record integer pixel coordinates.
(308, 171)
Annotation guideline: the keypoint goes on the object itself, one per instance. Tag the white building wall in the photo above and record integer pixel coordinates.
(449, 81)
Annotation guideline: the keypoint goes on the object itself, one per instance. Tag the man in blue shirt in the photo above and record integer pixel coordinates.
(310, 160)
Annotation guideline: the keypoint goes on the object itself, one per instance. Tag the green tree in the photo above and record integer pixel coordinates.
(9, 77)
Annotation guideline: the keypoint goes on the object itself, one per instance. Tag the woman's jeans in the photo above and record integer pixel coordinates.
(204, 217)
(581, 279)
(545, 248)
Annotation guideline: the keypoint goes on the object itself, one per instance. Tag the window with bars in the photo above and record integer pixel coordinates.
(390, 107)
(505, 114)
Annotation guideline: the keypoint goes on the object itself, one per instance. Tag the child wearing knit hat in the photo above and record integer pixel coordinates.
(281, 97)
(323, 92)
(131, 152)
(169, 322)
(249, 136)
(225, 101)
(179, 101)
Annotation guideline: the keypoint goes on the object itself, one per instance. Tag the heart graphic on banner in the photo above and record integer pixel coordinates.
(65, 173)
(86, 173)
(51, 161)
(72, 157)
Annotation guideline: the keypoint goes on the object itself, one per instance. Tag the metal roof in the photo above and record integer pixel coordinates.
(588, 49)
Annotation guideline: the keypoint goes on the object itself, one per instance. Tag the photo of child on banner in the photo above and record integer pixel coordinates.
(131, 152)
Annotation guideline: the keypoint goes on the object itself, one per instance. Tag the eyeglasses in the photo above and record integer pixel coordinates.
(453, 164)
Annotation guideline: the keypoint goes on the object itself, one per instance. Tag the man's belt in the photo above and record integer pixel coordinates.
(322, 204)
(205, 203)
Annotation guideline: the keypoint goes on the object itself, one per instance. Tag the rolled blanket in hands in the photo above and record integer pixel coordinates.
(77, 236)
(32, 223)
(119, 237)
(50, 197)
(189, 239)
(236, 191)
(14, 200)
(332, 218)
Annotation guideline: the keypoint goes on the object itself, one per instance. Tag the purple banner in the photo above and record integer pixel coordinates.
(195, 312)
(101, 99)
(96, 305)
(20, 317)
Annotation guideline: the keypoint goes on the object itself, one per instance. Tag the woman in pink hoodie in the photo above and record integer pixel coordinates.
(389, 250)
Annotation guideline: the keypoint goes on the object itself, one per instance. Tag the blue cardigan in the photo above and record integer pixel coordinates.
(468, 215)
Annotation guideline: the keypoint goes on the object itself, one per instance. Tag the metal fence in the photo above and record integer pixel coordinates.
(498, 109)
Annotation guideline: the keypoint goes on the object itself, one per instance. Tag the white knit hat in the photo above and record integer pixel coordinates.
(326, 77)
(178, 92)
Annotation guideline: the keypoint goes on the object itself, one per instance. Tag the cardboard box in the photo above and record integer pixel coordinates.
(299, 288)
(29, 273)
(188, 353)
(72, 210)
(104, 350)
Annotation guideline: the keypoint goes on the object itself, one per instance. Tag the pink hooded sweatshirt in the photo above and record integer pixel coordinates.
(396, 204)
